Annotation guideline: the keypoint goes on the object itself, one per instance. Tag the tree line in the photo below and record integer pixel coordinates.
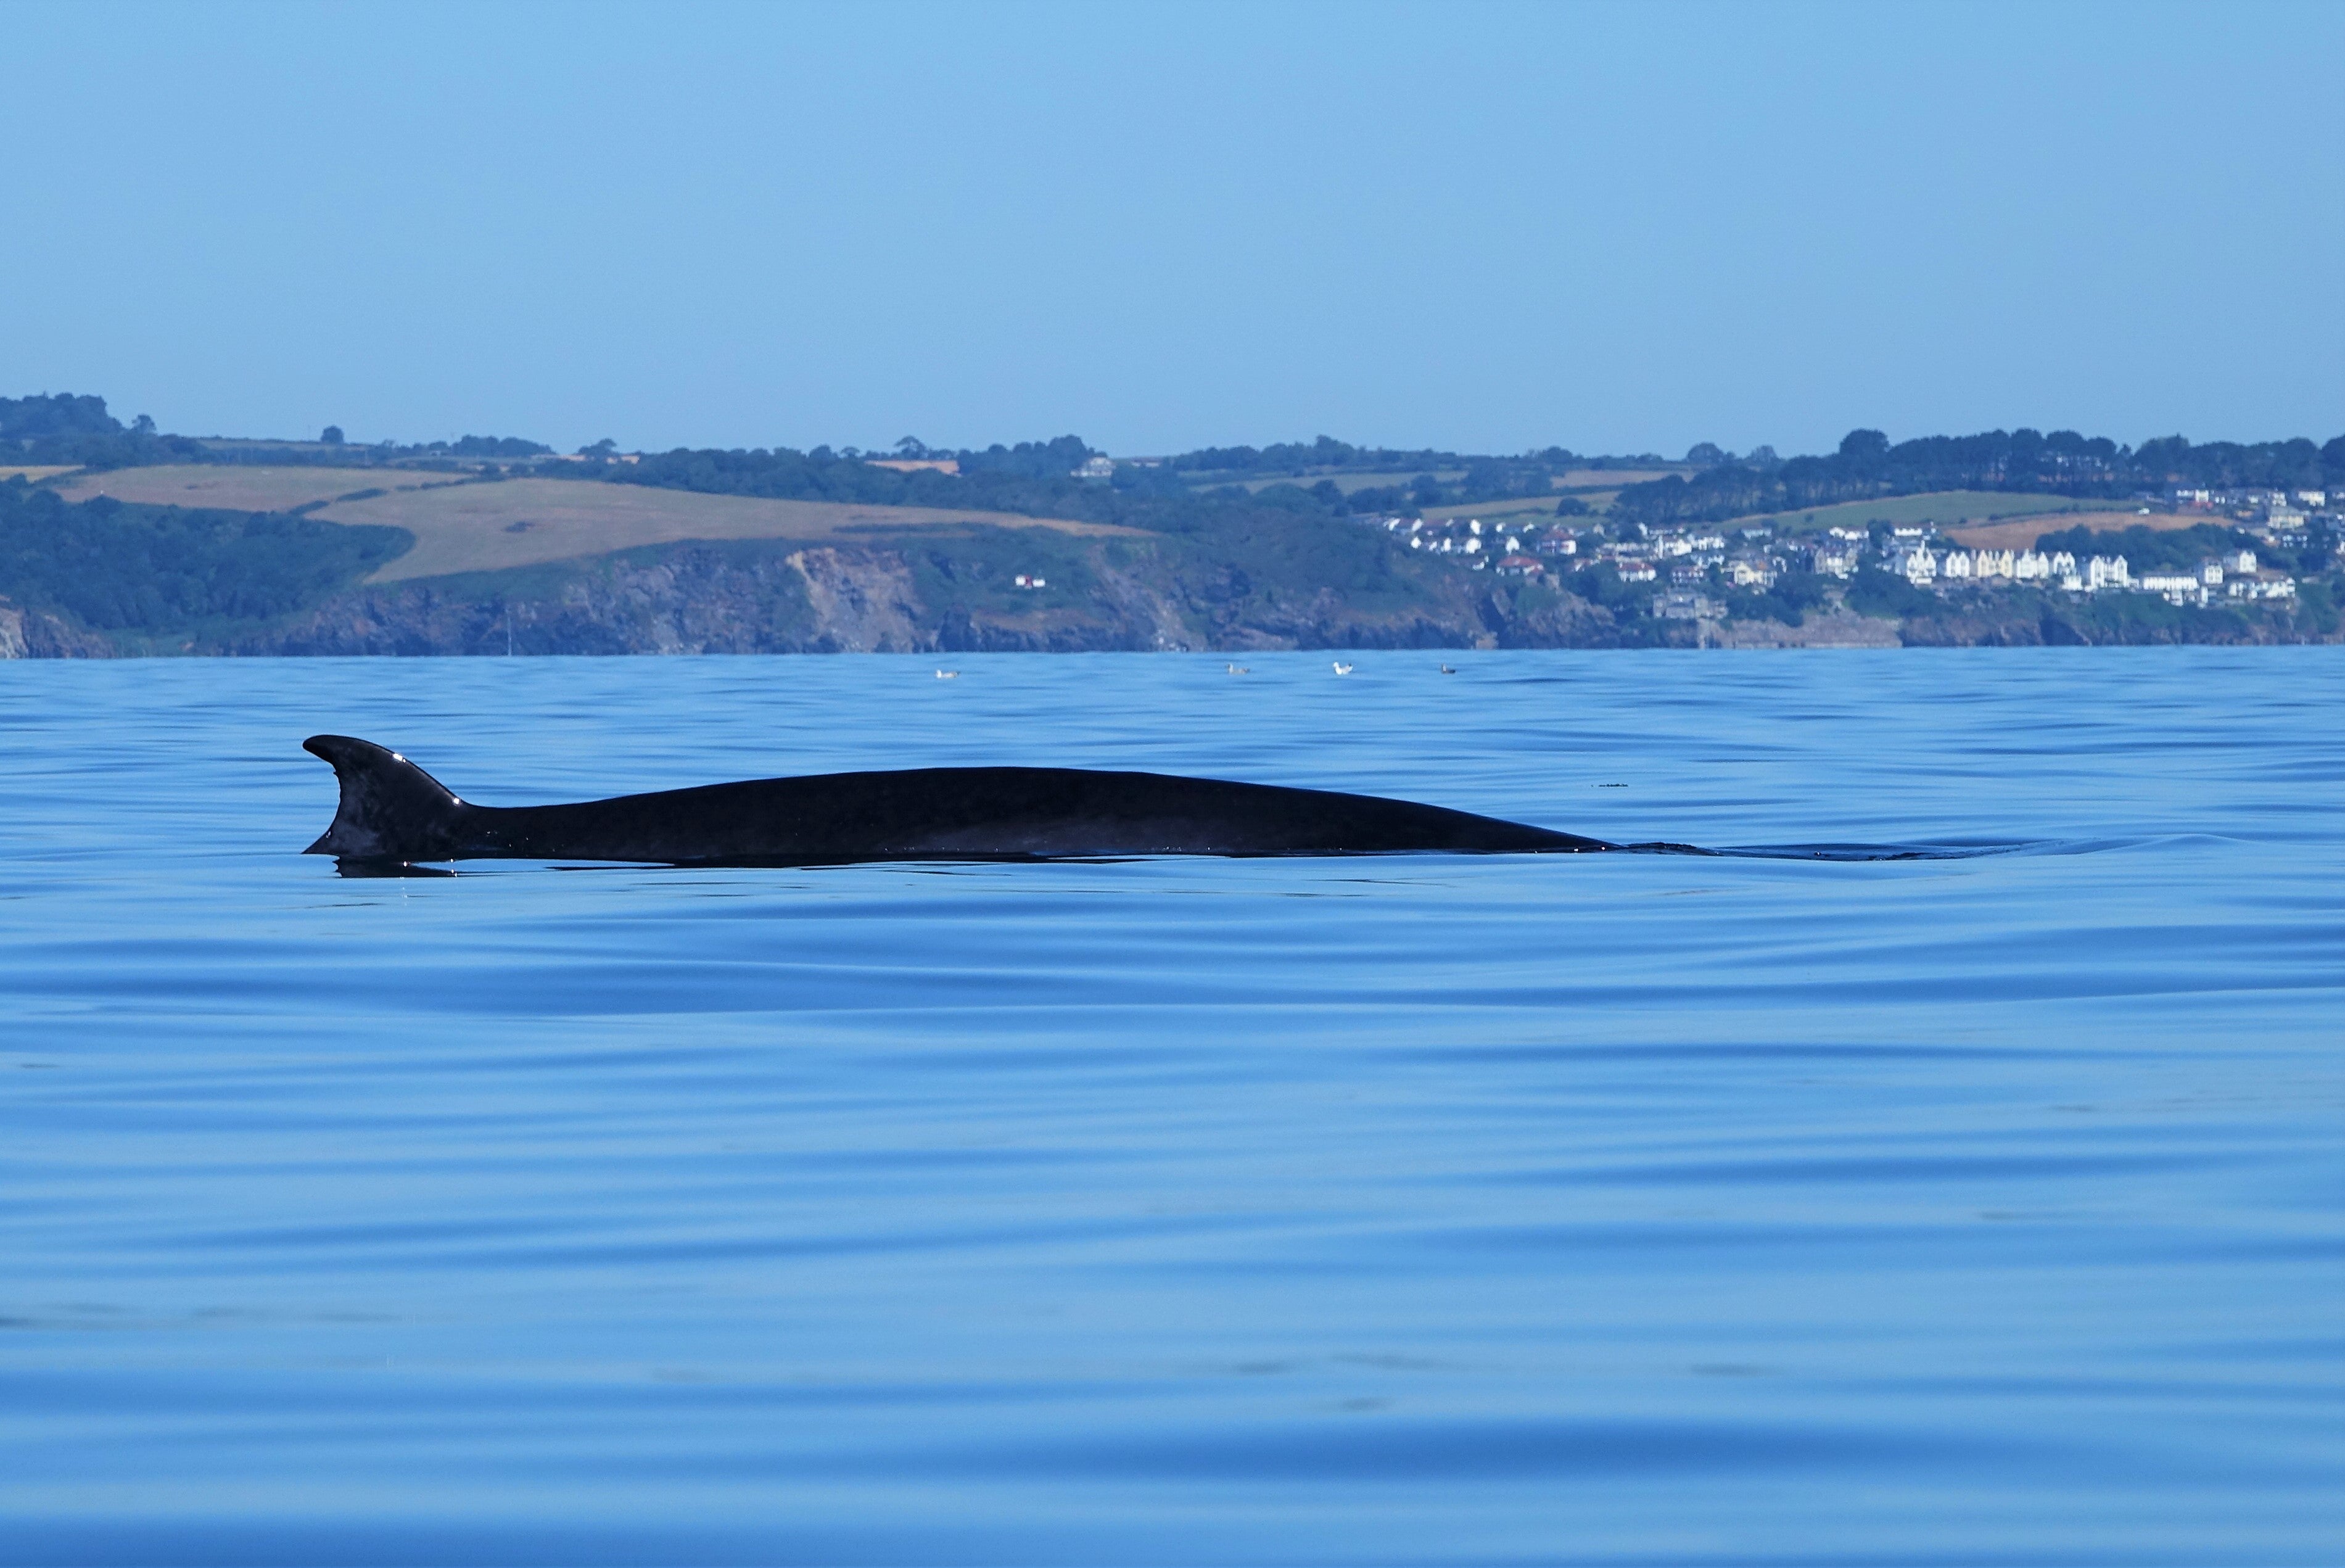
(116, 567)
(76, 430)
(1868, 466)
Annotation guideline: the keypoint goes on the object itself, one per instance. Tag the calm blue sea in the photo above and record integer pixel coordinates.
(1612, 1209)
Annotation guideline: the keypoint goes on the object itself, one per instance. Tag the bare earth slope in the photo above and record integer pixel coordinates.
(2020, 535)
(1946, 508)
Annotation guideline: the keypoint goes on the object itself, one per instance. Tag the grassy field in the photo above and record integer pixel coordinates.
(1946, 508)
(1536, 506)
(238, 489)
(2021, 534)
(35, 473)
(526, 522)
(462, 526)
(1581, 480)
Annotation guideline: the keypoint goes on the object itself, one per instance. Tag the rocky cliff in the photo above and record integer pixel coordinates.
(892, 598)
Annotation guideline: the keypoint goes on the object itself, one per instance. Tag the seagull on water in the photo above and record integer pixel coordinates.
(1446, 670)
(1343, 668)
(948, 675)
(1239, 669)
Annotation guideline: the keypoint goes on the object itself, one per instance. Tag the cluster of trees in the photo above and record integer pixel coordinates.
(1032, 477)
(76, 430)
(1472, 479)
(341, 455)
(63, 414)
(1485, 479)
(114, 566)
(1873, 592)
(1709, 454)
(1788, 599)
(484, 446)
(1298, 458)
(1868, 466)
(2154, 549)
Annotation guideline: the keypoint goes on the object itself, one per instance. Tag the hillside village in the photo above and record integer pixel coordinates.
(1694, 571)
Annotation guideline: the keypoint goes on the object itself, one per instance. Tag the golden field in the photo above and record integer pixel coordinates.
(2023, 533)
(462, 525)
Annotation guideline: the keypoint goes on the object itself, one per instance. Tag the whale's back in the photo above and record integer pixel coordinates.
(391, 809)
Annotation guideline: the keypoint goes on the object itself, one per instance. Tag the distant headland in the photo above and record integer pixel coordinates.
(123, 540)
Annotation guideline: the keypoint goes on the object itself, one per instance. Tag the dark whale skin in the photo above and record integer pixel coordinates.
(391, 811)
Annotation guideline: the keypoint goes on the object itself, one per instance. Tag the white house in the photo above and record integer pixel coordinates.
(2179, 587)
(2264, 585)
(1954, 565)
(2243, 562)
(2031, 566)
(2107, 572)
(1921, 567)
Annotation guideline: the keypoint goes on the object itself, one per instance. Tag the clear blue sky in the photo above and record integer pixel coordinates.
(1480, 226)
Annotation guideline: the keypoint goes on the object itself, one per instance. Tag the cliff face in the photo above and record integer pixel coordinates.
(29, 634)
(933, 595)
(696, 598)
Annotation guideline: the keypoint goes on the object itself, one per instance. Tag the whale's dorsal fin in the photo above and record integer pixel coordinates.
(391, 809)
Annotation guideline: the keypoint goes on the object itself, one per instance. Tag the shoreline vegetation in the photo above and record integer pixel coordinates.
(120, 540)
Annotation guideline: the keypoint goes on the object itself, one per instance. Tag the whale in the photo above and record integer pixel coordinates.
(392, 813)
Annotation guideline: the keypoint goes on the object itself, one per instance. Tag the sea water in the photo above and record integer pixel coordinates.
(1607, 1210)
